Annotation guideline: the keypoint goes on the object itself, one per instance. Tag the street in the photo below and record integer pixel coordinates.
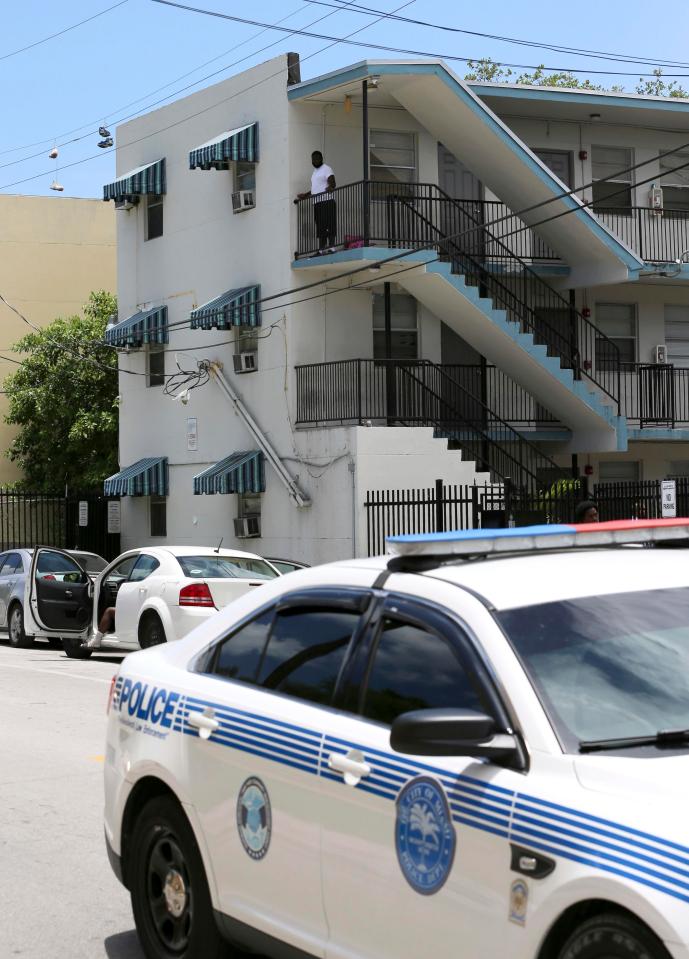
(59, 896)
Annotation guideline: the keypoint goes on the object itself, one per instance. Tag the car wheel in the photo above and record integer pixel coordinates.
(151, 632)
(613, 936)
(15, 629)
(170, 896)
(73, 648)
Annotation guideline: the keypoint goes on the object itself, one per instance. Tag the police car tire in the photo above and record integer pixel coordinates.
(162, 818)
(15, 632)
(73, 649)
(610, 936)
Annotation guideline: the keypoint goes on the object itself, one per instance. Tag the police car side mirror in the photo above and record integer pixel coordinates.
(452, 732)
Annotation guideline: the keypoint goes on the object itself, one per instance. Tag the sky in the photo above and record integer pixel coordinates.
(118, 64)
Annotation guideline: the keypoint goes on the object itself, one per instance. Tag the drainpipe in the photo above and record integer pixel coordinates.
(389, 371)
(266, 447)
(351, 466)
(364, 139)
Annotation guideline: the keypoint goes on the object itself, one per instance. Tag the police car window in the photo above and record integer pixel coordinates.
(143, 567)
(13, 564)
(415, 669)
(238, 656)
(305, 652)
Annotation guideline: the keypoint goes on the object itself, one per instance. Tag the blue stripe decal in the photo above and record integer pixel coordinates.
(524, 797)
(610, 845)
(592, 851)
(561, 831)
(605, 868)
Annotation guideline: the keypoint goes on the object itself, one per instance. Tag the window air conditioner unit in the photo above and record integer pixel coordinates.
(661, 353)
(243, 200)
(128, 203)
(245, 527)
(245, 362)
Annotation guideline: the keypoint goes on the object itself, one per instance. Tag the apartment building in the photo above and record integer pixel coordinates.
(54, 252)
(454, 313)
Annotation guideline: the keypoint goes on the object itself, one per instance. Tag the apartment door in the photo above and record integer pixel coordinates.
(461, 217)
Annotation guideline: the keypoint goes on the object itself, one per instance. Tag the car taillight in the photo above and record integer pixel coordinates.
(196, 594)
(111, 693)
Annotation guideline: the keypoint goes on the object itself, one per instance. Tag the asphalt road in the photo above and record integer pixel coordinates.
(58, 896)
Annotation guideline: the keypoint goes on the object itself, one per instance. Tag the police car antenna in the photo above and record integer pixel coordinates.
(217, 548)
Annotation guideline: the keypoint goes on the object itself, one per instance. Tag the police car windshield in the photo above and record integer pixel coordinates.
(225, 567)
(607, 667)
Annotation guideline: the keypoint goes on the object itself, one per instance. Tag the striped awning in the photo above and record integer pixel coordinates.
(147, 477)
(239, 307)
(143, 180)
(234, 145)
(238, 473)
(146, 326)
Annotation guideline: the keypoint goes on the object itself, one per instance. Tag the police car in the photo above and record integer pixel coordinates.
(475, 747)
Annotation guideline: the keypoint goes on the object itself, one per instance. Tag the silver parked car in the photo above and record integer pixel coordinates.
(15, 565)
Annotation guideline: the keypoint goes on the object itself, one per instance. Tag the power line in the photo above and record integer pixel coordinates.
(403, 50)
(189, 86)
(191, 116)
(60, 33)
(536, 44)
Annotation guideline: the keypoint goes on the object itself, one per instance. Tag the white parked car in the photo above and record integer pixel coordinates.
(159, 594)
(476, 749)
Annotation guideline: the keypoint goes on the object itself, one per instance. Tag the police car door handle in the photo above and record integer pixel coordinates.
(204, 722)
(352, 766)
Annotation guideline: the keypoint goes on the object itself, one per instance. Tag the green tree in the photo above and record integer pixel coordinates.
(657, 87)
(63, 398)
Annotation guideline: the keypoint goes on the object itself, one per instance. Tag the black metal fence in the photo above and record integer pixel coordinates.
(444, 507)
(76, 521)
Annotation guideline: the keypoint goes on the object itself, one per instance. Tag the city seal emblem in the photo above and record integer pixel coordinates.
(254, 821)
(424, 835)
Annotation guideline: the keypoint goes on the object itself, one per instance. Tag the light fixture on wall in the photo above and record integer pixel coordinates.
(347, 103)
(372, 83)
(594, 117)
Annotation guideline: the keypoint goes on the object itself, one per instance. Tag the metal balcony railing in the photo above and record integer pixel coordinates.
(421, 393)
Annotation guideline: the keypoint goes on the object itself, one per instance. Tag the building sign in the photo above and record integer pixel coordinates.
(83, 513)
(192, 433)
(668, 498)
(114, 518)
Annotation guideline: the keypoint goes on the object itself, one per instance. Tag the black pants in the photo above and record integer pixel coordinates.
(325, 215)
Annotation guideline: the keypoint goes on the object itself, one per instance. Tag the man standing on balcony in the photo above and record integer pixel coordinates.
(324, 207)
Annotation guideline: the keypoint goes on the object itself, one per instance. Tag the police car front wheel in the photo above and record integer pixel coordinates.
(613, 936)
(170, 896)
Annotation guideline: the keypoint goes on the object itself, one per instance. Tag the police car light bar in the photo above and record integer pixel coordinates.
(473, 542)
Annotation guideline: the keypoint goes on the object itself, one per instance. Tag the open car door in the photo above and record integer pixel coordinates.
(59, 596)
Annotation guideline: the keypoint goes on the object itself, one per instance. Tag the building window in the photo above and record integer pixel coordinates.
(158, 511)
(245, 176)
(619, 471)
(618, 322)
(392, 156)
(154, 217)
(156, 366)
(403, 321)
(614, 194)
(677, 335)
(675, 183)
(678, 469)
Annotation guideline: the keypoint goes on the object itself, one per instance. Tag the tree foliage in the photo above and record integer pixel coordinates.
(488, 71)
(63, 398)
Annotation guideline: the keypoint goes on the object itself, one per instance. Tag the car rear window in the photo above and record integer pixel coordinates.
(225, 567)
(91, 562)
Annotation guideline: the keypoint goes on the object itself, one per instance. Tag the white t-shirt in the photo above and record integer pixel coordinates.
(319, 181)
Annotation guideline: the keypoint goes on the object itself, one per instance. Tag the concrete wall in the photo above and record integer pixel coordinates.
(53, 252)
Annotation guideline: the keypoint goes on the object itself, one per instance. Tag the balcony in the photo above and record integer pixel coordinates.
(459, 398)
(368, 214)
